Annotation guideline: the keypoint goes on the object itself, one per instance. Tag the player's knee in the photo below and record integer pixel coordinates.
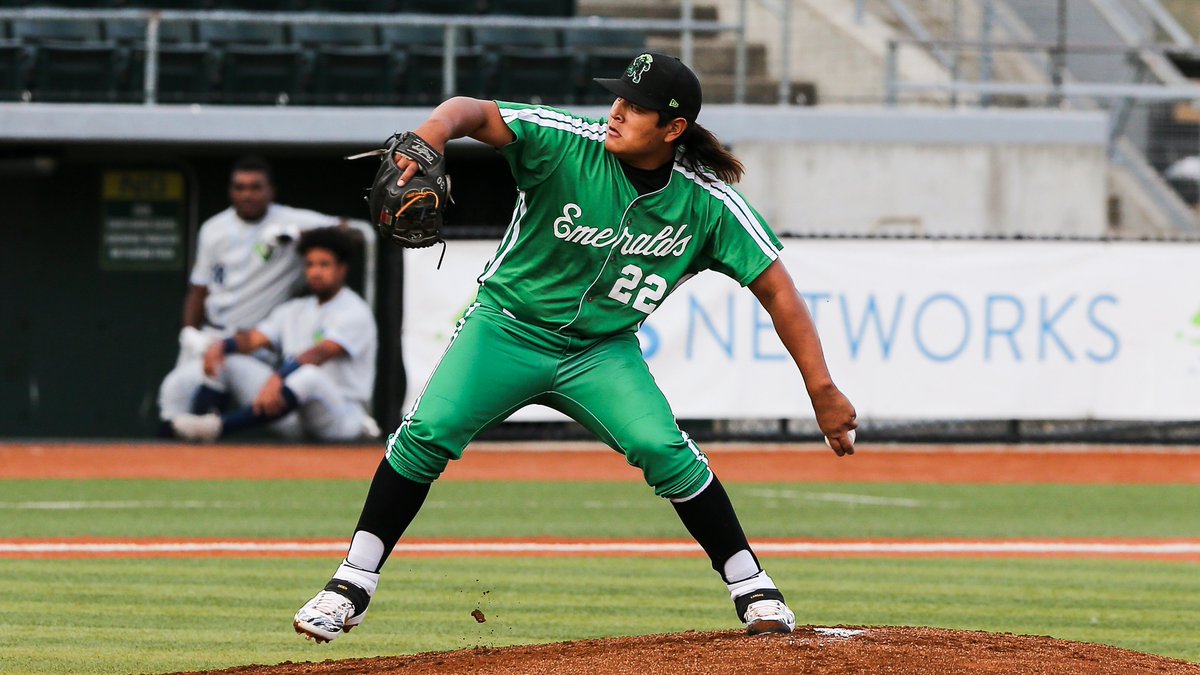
(305, 381)
(415, 454)
(177, 388)
(673, 467)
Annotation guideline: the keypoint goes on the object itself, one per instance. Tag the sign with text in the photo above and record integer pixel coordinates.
(142, 227)
(910, 329)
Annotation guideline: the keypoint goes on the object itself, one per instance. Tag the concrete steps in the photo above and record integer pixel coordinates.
(714, 56)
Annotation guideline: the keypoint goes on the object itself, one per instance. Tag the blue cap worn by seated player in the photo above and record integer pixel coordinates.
(658, 82)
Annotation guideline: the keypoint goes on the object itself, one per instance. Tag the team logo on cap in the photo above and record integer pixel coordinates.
(639, 65)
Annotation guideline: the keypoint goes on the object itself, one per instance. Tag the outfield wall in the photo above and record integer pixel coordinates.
(911, 329)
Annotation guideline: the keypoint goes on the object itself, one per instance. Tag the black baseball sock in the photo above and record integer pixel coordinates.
(206, 400)
(392, 503)
(710, 519)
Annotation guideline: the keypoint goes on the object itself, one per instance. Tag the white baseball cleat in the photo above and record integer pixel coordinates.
(203, 428)
(326, 616)
(768, 616)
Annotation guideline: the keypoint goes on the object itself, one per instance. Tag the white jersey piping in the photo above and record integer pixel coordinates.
(738, 207)
(553, 119)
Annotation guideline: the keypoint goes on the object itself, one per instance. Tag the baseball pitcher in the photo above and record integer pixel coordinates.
(611, 217)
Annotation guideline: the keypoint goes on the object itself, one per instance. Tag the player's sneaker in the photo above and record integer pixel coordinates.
(764, 611)
(203, 428)
(331, 613)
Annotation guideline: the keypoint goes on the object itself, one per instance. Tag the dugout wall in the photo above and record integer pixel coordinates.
(98, 244)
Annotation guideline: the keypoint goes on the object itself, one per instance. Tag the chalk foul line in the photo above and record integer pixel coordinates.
(1161, 549)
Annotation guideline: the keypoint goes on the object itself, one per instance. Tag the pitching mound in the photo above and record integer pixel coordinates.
(900, 651)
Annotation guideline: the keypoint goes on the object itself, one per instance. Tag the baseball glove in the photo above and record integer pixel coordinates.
(410, 215)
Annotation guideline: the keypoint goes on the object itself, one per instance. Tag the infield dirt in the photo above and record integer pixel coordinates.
(882, 650)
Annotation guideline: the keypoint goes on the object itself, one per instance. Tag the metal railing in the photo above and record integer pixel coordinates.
(1059, 88)
(1117, 98)
(450, 26)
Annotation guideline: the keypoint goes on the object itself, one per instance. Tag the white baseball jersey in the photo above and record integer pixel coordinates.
(247, 267)
(298, 325)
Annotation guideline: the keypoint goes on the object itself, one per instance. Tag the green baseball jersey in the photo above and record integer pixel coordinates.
(584, 254)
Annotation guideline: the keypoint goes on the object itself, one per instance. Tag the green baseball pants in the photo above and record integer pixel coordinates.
(496, 365)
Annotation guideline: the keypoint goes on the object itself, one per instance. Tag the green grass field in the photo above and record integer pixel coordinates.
(162, 615)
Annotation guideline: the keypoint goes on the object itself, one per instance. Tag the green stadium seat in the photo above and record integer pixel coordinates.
(468, 7)
(359, 6)
(185, 74)
(70, 71)
(422, 80)
(355, 76)
(532, 7)
(170, 4)
(261, 75)
(14, 71)
(132, 32)
(528, 77)
(493, 39)
(221, 33)
(80, 4)
(403, 36)
(259, 5)
(39, 30)
(330, 35)
(595, 39)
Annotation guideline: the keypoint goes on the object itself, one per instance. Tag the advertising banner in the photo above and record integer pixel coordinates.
(912, 329)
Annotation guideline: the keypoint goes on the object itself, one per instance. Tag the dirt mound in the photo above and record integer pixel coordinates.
(842, 650)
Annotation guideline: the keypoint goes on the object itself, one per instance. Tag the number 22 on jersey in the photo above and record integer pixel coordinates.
(649, 290)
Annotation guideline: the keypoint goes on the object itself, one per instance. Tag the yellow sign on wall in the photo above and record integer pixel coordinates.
(143, 220)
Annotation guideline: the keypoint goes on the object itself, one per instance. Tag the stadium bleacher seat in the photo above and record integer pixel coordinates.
(470, 7)
(259, 5)
(185, 74)
(70, 71)
(422, 80)
(359, 6)
(222, 33)
(531, 77)
(13, 70)
(344, 35)
(494, 39)
(595, 39)
(403, 36)
(532, 7)
(170, 4)
(355, 76)
(261, 75)
(132, 32)
(77, 4)
(31, 30)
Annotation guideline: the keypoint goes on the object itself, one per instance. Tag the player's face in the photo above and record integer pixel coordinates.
(250, 193)
(634, 135)
(324, 273)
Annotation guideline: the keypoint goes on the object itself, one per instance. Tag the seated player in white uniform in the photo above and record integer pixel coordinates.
(246, 265)
(328, 341)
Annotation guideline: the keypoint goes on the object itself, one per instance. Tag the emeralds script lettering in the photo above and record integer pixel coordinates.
(667, 241)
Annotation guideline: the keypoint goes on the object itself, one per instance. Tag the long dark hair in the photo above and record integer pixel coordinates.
(701, 151)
